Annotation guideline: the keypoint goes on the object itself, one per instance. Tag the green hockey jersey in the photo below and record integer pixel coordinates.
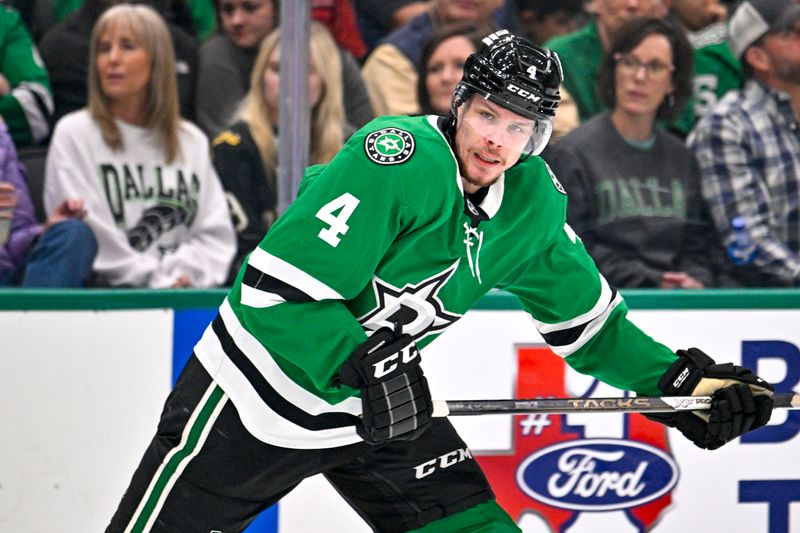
(383, 234)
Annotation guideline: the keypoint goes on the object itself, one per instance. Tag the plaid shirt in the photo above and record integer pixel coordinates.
(748, 149)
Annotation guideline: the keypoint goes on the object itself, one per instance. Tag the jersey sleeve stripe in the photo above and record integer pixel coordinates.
(262, 290)
(292, 276)
(269, 395)
(607, 295)
(588, 331)
(567, 336)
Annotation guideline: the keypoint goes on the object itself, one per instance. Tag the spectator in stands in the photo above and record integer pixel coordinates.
(442, 65)
(748, 148)
(58, 253)
(227, 58)
(377, 18)
(541, 20)
(390, 71)
(26, 101)
(581, 51)
(340, 19)
(65, 50)
(246, 155)
(634, 189)
(195, 17)
(154, 200)
(717, 71)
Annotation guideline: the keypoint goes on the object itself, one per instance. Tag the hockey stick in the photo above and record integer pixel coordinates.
(641, 404)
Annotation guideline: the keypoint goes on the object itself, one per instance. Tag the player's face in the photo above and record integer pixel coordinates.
(489, 140)
(444, 70)
(272, 83)
(123, 65)
(246, 22)
(613, 14)
(643, 77)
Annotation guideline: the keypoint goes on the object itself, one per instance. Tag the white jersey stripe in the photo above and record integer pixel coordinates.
(283, 385)
(591, 329)
(291, 275)
(600, 307)
(259, 419)
(255, 298)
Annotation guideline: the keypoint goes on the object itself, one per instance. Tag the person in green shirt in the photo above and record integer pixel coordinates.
(26, 98)
(716, 70)
(582, 50)
(199, 15)
(313, 363)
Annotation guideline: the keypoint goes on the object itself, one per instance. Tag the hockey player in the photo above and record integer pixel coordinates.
(312, 365)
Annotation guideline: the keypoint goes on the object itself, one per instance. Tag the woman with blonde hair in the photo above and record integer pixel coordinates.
(153, 198)
(246, 156)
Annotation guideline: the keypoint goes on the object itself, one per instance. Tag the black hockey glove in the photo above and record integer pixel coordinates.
(741, 401)
(395, 399)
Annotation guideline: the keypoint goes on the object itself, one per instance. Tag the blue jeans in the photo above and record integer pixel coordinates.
(62, 257)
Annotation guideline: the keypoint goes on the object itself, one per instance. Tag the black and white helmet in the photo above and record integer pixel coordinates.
(513, 73)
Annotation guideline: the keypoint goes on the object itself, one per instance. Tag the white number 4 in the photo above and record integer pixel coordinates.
(345, 204)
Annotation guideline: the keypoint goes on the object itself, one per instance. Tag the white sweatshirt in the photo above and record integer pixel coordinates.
(154, 222)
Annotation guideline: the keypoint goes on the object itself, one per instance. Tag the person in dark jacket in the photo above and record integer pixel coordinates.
(634, 189)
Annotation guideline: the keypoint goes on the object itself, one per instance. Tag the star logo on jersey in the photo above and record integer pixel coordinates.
(416, 306)
(389, 146)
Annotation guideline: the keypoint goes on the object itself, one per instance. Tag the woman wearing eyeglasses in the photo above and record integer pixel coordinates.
(634, 189)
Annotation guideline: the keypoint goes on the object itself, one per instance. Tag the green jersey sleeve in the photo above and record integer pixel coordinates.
(584, 319)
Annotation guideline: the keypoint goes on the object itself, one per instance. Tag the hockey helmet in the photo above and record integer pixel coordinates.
(517, 75)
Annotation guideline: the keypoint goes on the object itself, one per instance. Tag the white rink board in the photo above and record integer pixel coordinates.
(82, 391)
(80, 396)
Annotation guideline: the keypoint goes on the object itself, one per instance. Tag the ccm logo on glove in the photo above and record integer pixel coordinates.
(387, 366)
(395, 400)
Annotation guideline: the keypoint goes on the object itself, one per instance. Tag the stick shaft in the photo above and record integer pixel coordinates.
(664, 404)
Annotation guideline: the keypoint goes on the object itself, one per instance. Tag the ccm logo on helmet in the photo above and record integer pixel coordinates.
(384, 367)
(522, 92)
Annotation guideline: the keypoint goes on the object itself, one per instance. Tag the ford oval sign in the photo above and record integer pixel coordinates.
(597, 474)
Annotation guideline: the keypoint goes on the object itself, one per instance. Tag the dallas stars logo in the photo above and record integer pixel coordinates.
(417, 307)
(389, 146)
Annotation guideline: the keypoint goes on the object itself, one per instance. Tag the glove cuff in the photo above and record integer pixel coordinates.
(685, 373)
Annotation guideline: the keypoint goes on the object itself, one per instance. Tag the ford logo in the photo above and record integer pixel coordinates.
(597, 474)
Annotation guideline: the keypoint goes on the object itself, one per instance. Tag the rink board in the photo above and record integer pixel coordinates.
(85, 378)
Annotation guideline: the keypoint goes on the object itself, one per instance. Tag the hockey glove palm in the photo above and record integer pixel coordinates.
(395, 399)
(741, 401)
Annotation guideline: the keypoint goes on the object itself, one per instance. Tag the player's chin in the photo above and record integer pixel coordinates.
(481, 178)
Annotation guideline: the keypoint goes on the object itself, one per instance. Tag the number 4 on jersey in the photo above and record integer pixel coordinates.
(345, 204)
